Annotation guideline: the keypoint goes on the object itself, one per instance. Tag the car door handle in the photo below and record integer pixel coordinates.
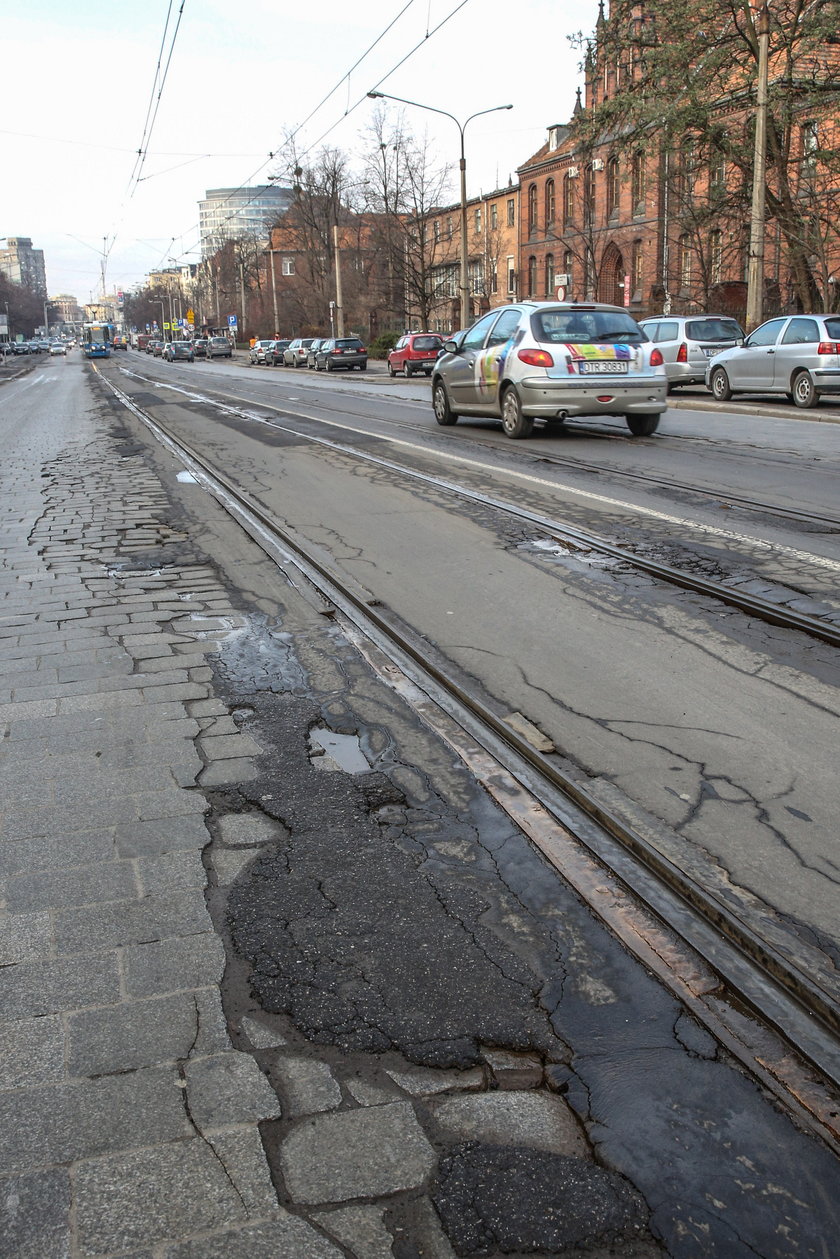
(771, 351)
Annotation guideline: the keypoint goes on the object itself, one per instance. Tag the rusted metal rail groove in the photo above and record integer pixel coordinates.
(579, 539)
(706, 937)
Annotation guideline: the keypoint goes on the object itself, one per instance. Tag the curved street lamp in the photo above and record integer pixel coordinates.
(462, 126)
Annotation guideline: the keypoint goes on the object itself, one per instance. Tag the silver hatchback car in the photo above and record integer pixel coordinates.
(687, 342)
(795, 355)
(550, 360)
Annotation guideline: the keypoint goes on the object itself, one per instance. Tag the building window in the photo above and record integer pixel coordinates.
(637, 182)
(716, 256)
(613, 191)
(587, 196)
(568, 200)
(685, 260)
(511, 212)
(532, 209)
(549, 202)
(532, 276)
(449, 227)
(511, 276)
(437, 230)
(810, 145)
(287, 266)
(717, 175)
(636, 267)
(494, 278)
(549, 274)
(476, 276)
(687, 172)
(567, 268)
(477, 217)
(494, 216)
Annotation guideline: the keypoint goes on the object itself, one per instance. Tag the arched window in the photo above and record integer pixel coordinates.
(613, 188)
(549, 202)
(637, 183)
(636, 266)
(568, 200)
(532, 209)
(532, 276)
(549, 274)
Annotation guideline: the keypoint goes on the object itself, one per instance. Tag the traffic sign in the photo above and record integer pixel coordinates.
(191, 316)
(561, 292)
(231, 321)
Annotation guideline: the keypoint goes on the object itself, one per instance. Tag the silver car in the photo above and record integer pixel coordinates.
(687, 342)
(550, 360)
(795, 355)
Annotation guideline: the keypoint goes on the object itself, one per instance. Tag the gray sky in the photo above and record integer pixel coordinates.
(79, 75)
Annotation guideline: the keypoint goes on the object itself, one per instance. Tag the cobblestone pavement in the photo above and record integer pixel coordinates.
(213, 1043)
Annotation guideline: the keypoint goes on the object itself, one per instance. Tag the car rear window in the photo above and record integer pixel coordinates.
(585, 327)
(713, 330)
(832, 327)
(427, 343)
(349, 343)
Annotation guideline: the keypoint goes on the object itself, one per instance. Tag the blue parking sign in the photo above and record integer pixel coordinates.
(231, 321)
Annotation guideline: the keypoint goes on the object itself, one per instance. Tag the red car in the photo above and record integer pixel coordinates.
(415, 352)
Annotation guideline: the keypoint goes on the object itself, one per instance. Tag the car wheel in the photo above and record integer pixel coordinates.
(391, 371)
(643, 425)
(328, 365)
(318, 366)
(409, 370)
(440, 401)
(804, 393)
(363, 367)
(514, 423)
(719, 385)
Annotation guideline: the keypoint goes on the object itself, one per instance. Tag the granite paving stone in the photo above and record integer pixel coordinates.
(56, 1124)
(284, 1238)
(163, 835)
(120, 923)
(224, 747)
(81, 885)
(173, 965)
(35, 1215)
(31, 1052)
(170, 872)
(24, 937)
(359, 1228)
(32, 989)
(228, 1089)
(541, 1121)
(307, 1086)
(356, 1154)
(131, 1035)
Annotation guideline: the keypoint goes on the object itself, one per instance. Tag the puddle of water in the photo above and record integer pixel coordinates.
(592, 559)
(332, 751)
(187, 477)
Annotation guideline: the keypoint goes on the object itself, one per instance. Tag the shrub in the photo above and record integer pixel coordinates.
(382, 344)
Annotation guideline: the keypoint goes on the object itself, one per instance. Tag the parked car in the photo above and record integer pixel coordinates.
(687, 342)
(256, 354)
(341, 354)
(313, 350)
(550, 360)
(159, 348)
(200, 347)
(150, 345)
(219, 347)
(180, 350)
(415, 352)
(274, 354)
(794, 355)
(295, 353)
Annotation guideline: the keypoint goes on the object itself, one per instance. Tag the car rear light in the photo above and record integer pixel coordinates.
(535, 358)
(656, 359)
(682, 353)
(828, 347)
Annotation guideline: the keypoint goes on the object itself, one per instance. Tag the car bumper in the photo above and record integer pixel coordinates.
(827, 380)
(545, 398)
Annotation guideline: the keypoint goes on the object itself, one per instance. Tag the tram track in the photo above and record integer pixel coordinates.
(711, 958)
(526, 455)
(825, 626)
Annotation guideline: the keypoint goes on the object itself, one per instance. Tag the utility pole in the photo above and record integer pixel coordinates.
(271, 253)
(242, 292)
(755, 275)
(339, 309)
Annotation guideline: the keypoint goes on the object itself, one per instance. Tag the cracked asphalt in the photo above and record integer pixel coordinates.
(258, 1003)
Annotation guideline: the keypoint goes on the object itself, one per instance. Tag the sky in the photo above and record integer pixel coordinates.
(80, 86)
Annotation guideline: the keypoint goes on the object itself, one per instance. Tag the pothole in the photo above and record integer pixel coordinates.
(331, 751)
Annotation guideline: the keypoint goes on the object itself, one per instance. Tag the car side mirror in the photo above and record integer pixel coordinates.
(449, 347)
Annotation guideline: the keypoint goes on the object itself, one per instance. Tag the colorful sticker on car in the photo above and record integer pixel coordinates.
(596, 353)
(489, 366)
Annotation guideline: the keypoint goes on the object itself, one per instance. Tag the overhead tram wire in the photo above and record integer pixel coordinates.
(139, 150)
(345, 77)
(350, 109)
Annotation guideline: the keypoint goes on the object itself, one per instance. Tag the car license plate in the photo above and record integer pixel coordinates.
(612, 367)
(711, 350)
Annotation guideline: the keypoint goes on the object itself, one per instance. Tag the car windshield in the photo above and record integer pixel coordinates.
(713, 330)
(427, 343)
(585, 327)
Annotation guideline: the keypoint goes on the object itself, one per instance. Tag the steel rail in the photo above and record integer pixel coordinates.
(782, 994)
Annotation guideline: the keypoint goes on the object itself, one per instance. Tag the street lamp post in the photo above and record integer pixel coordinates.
(155, 301)
(271, 253)
(755, 275)
(462, 126)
